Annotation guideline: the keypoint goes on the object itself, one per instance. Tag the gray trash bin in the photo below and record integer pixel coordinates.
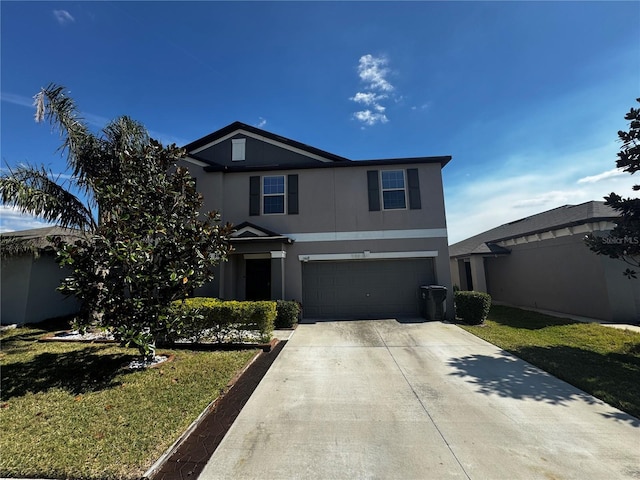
(424, 300)
(432, 302)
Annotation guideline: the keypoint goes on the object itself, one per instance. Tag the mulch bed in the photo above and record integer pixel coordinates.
(265, 347)
(189, 459)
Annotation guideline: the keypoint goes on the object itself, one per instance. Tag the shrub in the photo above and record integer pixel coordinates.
(288, 313)
(224, 321)
(191, 318)
(472, 307)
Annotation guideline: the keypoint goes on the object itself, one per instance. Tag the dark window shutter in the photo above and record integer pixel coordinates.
(414, 189)
(374, 190)
(254, 195)
(292, 194)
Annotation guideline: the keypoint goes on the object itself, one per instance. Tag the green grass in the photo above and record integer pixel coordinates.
(75, 411)
(602, 361)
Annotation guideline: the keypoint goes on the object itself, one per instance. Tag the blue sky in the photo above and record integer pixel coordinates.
(526, 96)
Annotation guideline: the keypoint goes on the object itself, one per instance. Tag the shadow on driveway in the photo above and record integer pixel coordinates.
(506, 376)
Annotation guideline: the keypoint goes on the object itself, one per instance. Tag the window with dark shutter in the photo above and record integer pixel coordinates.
(254, 195)
(374, 190)
(273, 195)
(413, 182)
(292, 194)
(393, 190)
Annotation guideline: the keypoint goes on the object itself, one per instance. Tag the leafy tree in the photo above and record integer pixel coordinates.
(149, 245)
(624, 241)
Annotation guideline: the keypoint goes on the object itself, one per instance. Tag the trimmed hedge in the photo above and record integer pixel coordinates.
(472, 307)
(288, 313)
(224, 321)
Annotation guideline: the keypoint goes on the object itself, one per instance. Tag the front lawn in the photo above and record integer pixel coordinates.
(602, 361)
(70, 410)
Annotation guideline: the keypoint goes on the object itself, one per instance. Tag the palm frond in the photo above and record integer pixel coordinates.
(12, 246)
(126, 134)
(79, 143)
(91, 158)
(33, 191)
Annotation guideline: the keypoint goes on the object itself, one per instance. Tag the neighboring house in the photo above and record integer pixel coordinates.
(30, 276)
(349, 239)
(541, 262)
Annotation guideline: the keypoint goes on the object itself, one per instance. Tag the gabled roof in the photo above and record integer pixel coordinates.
(247, 231)
(34, 240)
(237, 127)
(349, 163)
(328, 160)
(561, 217)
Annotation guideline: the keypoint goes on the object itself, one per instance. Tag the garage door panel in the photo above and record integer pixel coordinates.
(364, 289)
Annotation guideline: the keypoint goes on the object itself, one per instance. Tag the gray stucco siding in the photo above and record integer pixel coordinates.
(559, 274)
(334, 219)
(624, 293)
(29, 290)
(333, 200)
(257, 153)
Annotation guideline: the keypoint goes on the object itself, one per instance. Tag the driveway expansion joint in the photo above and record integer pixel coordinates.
(422, 405)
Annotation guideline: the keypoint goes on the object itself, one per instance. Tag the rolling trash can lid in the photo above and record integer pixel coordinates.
(438, 292)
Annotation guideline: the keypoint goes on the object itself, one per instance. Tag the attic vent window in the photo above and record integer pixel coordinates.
(238, 149)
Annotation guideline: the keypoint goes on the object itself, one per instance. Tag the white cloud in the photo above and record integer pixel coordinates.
(11, 220)
(369, 98)
(63, 17)
(424, 106)
(486, 202)
(616, 172)
(261, 122)
(548, 198)
(16, 99)
(96, 120)
(370, 118)
(372, 71)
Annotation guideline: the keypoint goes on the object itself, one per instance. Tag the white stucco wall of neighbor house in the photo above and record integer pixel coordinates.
(28, 290)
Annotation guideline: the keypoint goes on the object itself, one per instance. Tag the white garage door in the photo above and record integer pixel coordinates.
(364, 289)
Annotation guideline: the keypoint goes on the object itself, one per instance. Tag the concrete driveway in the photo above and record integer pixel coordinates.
(387, 400)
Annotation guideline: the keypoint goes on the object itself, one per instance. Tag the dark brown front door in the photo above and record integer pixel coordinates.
(258, 280)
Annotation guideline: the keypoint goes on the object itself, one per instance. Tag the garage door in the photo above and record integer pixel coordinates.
(364, 289)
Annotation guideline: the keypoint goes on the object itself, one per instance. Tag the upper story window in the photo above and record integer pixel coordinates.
(393, 190)
(268, 195)
(398, 187)
(238, 149)
(273, 194)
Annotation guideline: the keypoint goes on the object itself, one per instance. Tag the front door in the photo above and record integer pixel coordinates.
(258, 279)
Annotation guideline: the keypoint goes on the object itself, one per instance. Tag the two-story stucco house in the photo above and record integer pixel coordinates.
(349, 239)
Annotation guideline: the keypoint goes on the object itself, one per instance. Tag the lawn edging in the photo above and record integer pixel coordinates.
(186, 457)
(200, 378)
(200, 346)
(208, 409)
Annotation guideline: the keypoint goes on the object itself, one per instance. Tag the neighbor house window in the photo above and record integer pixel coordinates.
(273, 194)
(393, 189)
(238, 149)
